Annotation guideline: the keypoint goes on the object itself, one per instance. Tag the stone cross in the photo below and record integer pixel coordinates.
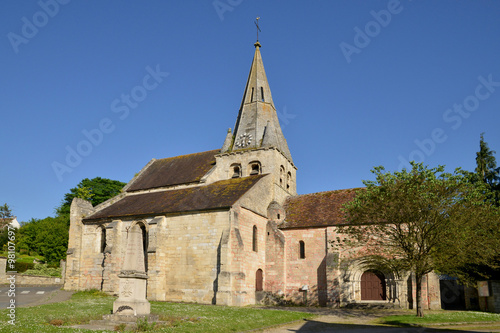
(258, 29)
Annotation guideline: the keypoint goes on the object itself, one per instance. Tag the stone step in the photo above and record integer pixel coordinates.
(371, 305)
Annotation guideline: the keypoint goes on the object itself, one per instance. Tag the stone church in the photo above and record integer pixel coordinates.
(226, 226)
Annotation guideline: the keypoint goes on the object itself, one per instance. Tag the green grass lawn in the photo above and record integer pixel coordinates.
(85, 306)
(436, 317)
(23, 257)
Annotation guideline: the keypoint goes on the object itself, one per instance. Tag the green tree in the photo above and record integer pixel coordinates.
(5, 215)
(96, 190)
(486, 164)
(27, 235)
(486, 169)
(420, 221)
(5, 218)
(487, 172)
(47, 237)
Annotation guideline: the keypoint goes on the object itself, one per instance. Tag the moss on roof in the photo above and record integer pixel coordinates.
(222, 194)
(176, 170)
(317, 209)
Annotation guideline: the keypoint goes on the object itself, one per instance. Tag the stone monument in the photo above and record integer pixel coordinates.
(133, 278)
(131, 304)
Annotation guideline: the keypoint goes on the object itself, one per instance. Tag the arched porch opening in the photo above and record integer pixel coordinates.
(373, 286)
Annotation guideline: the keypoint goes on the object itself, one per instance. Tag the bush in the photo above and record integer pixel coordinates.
(22, 267)
(43, 270)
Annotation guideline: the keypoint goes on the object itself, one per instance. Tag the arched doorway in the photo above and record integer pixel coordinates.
(259, 279)
(373, 286)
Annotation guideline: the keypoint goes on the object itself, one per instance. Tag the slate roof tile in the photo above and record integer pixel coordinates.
(316, 209)
(218, 195)
(175, 171)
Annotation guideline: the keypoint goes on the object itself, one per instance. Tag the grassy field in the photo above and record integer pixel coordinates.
(436, 317)
(85, 306)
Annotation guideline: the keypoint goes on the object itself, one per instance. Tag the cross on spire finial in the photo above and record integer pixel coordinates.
(258, 29)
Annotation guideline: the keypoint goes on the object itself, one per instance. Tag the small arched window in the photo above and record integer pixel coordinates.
(102, 246)
(254, 238)
(255, 168)
(288, 180)
(302, 250)
(145, 243)
(282, 175)
(236, 171)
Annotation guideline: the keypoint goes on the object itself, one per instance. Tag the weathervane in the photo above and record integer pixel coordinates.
(258, 29)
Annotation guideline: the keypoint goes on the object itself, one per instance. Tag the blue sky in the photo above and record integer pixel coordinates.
(357, 84)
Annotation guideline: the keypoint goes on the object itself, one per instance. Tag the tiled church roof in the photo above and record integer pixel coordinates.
(221, 194)
(316, 209)
(174, 171)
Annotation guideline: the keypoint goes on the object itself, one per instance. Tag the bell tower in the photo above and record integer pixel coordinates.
(257, 125)
(257, 145)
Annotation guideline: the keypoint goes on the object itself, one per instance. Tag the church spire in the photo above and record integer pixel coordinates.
(257, 124)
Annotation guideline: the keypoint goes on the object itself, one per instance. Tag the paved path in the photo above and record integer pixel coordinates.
(362, 321)
(33, 295)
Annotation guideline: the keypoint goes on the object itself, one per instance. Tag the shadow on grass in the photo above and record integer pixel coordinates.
(311, 326)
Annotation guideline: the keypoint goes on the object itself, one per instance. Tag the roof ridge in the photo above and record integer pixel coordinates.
(340, 190)
(178, 156)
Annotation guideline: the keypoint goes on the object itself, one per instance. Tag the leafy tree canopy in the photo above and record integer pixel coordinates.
(47, 237)
(96, 190)
(422, 220)
(5, 216)
(487, 164)
(487, 170)
(5, 213)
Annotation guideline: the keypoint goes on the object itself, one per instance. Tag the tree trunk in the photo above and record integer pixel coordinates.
(418, 278)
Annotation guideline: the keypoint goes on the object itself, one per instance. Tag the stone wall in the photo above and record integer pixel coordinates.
(21, 279)
(491, 303)
(34, 280)
(308, 272)
(245, 259)
(79, 209)
(190, 258)
(275, 259)
(495, 302)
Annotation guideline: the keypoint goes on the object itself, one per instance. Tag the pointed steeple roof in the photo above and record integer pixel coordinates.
(257, 124)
